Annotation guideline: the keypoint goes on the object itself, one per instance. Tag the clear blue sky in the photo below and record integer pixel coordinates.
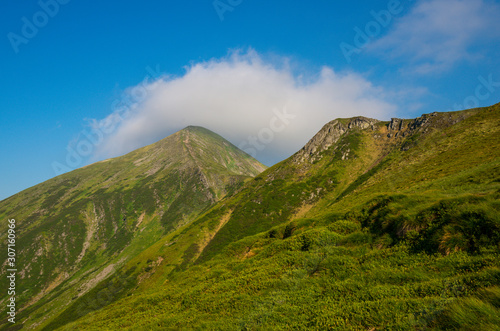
(83, 55)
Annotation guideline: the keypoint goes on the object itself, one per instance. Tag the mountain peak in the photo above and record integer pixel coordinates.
(203, 144)
(196, 146)
(389, 132)
(330, 134)
(109, 211)
(124, 237)
(196, 128)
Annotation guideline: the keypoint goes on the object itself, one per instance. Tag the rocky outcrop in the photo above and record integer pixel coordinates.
(424, 124)
(396, 130)
(329, 135)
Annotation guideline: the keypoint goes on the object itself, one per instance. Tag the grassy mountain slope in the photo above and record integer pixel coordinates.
(372, 225)
(76, 229)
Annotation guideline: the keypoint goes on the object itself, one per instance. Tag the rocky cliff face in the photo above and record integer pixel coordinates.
(347, 169)
(329, 135)
(394, 131)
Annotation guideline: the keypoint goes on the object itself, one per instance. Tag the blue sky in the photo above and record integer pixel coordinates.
(86, 81)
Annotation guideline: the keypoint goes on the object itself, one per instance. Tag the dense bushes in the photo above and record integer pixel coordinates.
(469, 223)
(318, 278)
(480, 312)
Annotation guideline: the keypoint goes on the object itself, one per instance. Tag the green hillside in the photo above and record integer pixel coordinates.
(372, 225)
(79, 228)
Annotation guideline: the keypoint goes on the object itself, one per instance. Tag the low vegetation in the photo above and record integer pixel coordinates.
(394, 226)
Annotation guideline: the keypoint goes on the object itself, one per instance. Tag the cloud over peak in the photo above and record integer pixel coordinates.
(260, 105)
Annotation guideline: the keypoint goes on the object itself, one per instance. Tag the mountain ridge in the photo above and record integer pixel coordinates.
(105, 213)
(380, 229)
(354, 229)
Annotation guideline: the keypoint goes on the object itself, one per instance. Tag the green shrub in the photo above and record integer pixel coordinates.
(289, 228)
(480, 312)
(357, 238)
(344, 227)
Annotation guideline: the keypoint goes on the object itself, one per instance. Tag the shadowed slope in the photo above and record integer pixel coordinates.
(76, 229)
(372, 225)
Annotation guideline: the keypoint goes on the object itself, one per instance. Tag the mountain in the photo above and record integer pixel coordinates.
(372, 225)
(78, 228)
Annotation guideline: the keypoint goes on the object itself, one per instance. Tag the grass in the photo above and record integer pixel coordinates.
(98, 207)
(379, 232)
(337, 282)
(402, 235)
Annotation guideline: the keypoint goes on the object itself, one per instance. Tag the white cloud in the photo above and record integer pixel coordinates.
(437, 34)
(237, 97)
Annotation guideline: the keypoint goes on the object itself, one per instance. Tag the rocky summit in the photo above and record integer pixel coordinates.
(78, 228)
(371, 225)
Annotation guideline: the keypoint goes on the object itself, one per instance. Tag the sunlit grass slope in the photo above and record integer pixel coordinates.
(77, 229)
(372, 225)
